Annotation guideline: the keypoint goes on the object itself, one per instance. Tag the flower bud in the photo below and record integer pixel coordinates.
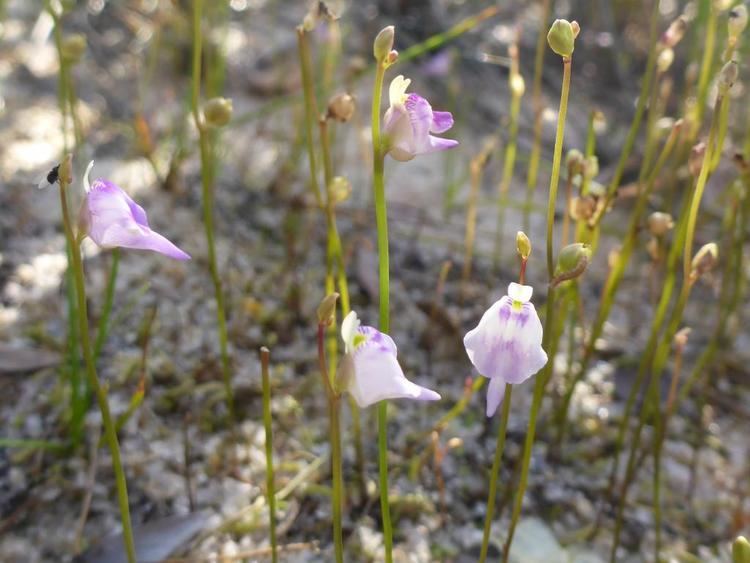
(73, 47)
(392, 57)
(574, 162)
(721, 5)
(327, 309)
(614, 257)
(383, 44)
(591, 167)
(675, 32)
(523, 245)
(582, 208)
(660, 223)
(664, 60)
(695, 161)
(561, 37)
(599, 121)
(737, 21)
(340, 189)
(681, 338)
(217, 111)
(741, 550)
(571, 263)
(341, 107)
(704, 260)
(517, 85)
(727, 77)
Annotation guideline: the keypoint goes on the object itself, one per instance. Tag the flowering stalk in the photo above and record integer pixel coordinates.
(561, 39)
(109, 298)
(378, 182)
(101, 395)
(207, 195)
(536, 102)
(516, 93)
(334, 416)
(270, 491)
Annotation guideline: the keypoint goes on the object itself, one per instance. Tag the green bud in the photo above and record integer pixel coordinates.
(571, 263)
(340, 189)
(327, 309)
(344, 374)
(523, 245)
(727, 77)
(73, 47)
(591, 167)
(562, 36)
(383, 44)
(741, 550)
(217, 111)
(737, 21)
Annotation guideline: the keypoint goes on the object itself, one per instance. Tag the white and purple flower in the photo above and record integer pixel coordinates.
(407, 124)
(375, 374)
(112, 219)
(506, 345)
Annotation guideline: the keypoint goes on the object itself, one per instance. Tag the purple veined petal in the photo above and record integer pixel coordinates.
(378, 376)
(141, 238)
(377, 339)
(507, 342)
(441, 121)
(420, 117)
(495, 394)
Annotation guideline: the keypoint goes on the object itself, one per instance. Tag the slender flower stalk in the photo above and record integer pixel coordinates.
(325, 317)
(207, 195)
(110, 433)
(109, 297)
(265, 356)
(537, 104)
(561, 39)
(517, 87)
(378, 181)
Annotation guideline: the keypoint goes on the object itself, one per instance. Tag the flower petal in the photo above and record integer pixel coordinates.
(507, 342)
(140, 238)
(377, 373)
(349, 327)
(495, 394)
(420, 117)
(397, 90)
(441, 121)
(399, 134)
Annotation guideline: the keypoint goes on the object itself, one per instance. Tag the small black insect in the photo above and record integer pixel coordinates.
(51, 178)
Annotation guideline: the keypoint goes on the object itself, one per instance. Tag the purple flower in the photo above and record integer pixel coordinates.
(407, 124)
(506, 345)
(111, 218)
(374, 373)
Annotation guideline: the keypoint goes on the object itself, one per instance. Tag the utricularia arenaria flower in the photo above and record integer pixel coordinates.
(112, 219)
(506, 345)
(407, 124)
(371, 372)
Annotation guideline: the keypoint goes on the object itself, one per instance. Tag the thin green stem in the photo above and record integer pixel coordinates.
(546, 372)
(536, 102)
(495, 473)
(556, 159)
(265, 356)
(709, 46)
(334, 418)
(381, 217)
(311, 111)
(207, 195)
(101, 395)
(640, 107)
(109, 298)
